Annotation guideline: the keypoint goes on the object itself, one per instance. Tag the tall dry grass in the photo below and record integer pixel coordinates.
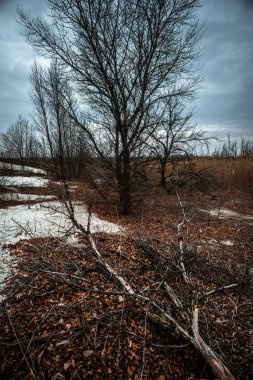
(233, 175)
(230, 174)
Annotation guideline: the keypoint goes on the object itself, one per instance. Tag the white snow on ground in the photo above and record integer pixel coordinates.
(24, 197)
(26, 221)
(225, 213)
(24, 181)
(21, 168)
(5, 266)
(39, 219)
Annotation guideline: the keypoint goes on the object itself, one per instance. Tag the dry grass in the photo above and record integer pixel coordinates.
(230, 174)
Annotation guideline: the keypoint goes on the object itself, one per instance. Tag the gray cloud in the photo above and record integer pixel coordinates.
(225, 100)
(3, 3)
(16, 58)
(248, 3)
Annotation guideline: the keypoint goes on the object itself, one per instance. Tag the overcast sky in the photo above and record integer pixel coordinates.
(225, 102)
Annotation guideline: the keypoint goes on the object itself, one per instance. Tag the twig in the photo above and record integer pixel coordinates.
(211, 292)
(144, 347)
(29, 344)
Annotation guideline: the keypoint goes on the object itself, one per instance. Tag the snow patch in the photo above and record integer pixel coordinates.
(25, 197)
(38, 220)
(6, 262)
(24, 181)
(21, 168)
(27, 221)
(224, 213)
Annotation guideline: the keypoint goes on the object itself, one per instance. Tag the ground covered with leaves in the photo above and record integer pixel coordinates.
(65, 317)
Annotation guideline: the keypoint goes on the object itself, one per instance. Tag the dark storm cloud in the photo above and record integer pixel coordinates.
(248, 3)
(225, 101)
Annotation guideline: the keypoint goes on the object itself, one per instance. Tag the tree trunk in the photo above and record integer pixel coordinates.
(125, 200)
(162, 172)
(125, 185)
(123, 172)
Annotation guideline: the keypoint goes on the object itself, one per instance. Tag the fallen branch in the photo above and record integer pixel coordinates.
(160, 315)
(217, 290)
(210, 355)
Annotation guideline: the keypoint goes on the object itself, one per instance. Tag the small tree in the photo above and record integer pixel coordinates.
(175, 138)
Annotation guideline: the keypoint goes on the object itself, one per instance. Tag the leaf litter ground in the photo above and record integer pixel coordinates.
(65, 318)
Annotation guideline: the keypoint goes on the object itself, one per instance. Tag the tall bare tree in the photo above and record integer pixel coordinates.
(38, 95)
(63, 139)
(127, 57)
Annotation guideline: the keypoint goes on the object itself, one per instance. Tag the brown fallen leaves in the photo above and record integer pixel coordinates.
(52, 328)
(64, 318)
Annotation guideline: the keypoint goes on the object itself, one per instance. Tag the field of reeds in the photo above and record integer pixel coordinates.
(226, 174)
(229, 174)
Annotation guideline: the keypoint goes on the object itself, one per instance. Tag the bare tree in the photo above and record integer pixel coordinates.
(19, 141)
(127, 57)
(63, 139)
(41, 113)
(175, 138)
